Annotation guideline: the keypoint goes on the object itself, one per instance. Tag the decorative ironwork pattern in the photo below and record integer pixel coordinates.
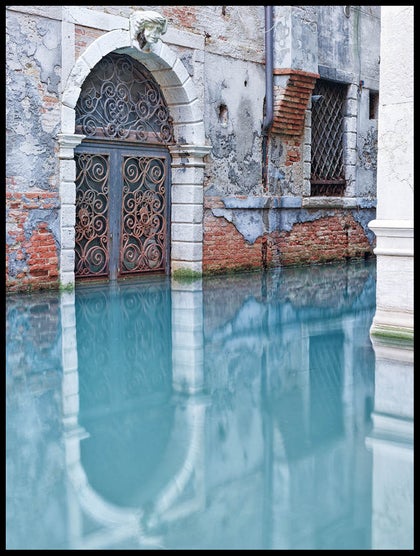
(128, 329)
(92, 208)
(121, 100)
(327, 171)
(143, 222)
(326, 356)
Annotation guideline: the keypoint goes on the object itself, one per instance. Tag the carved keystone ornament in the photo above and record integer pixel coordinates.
(146, 28)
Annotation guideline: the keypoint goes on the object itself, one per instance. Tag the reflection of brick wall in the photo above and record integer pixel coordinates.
(31, 250)
(291, 99)
(33, 336)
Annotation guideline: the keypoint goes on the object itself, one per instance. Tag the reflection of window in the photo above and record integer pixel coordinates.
(326, 367)
(373, 106)
(327, 170)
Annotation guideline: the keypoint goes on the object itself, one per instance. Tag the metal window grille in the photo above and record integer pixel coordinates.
(327, 170)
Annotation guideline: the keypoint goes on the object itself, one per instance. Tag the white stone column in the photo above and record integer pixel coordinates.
(187, 207)
(394, 224)
(187, 336)
(391, 442)
(67, 144)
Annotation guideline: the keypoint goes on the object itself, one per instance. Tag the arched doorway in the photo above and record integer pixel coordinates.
(122, 172)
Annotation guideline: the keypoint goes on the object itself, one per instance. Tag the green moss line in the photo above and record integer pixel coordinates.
(186, 275)
(399, 335)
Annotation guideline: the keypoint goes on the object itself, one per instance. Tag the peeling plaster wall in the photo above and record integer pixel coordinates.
(304, 42)
(222, 49)
(32, 110)
(234, 96)
(32, 122)
(249, 233)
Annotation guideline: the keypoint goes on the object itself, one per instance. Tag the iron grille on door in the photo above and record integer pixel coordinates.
(92, 215)
(143, 225)
(327, 171)
(122, 206)
(121, 100)
(123, 172)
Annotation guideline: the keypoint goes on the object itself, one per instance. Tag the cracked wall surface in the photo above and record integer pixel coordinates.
(222, 51)
(32, 121)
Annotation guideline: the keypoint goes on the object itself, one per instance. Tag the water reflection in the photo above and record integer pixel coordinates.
(391, 442)
(230, 412)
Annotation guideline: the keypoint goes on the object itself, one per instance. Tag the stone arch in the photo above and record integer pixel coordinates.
(187, 154)
(128, 521)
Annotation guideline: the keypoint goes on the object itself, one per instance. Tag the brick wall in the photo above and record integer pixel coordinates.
(31, 248)
(84, 37)
(326, 239)
(330, 238)
(224, 248)
(291, 100)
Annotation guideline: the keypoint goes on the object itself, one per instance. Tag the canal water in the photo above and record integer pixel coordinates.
(240, 411)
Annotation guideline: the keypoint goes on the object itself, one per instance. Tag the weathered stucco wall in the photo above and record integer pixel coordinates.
(32, 122)
(234, 93)
(285, 225)
(222, 50)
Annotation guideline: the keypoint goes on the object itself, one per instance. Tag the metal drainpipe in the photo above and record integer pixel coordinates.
(269, 112)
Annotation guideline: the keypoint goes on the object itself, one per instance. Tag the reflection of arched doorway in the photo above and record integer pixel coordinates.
(122, 172)
(125, 384)
(105, 385)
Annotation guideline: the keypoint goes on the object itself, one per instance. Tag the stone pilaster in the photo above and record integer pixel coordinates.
(187, 207)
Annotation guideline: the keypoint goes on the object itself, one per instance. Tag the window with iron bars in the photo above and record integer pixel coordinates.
(327, 167)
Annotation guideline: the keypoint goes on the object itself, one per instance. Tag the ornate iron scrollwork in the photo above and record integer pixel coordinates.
(143, 226)
(121, 100)
(92, 202)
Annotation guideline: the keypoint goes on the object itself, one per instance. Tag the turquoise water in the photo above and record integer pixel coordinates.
(244, 411)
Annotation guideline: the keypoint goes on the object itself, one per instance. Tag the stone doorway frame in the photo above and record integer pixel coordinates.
(187, 154)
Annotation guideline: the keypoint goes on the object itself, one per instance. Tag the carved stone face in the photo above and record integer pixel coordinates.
(152, 32)
(146, 27)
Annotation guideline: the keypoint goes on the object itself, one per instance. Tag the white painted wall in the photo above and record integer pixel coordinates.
(394, 224)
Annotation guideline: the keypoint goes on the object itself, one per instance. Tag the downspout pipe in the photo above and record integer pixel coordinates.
(269, 108)
(268, 118)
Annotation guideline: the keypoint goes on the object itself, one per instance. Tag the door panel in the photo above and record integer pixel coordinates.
(92, 215)
(122, 207)
(143, 223)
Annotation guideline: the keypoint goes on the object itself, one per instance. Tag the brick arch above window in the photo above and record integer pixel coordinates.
(292, 93)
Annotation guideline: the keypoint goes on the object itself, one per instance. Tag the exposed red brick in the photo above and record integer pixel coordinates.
(36, 256)
(291, 101)
(227, 250)
(84, 36)
(183, 16)
(326, 239)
